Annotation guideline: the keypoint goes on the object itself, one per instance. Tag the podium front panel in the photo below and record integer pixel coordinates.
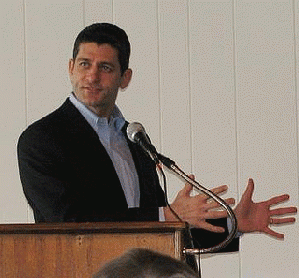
(80, 249)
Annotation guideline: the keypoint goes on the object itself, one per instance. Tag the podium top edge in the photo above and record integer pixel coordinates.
(94, 227)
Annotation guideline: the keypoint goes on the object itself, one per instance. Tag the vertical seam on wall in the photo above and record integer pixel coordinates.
(189, 85)
(296, 87)
(234, 11)
(25, 79)
(25, 63)
(159, 71)
(235, 88)
(84, 13)
(112, 10)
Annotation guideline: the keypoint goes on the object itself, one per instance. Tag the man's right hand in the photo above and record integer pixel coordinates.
(197, 209)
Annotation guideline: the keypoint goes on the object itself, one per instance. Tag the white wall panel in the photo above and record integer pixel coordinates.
(213, 109)
(13, 207)
(51, 28)
(175, 87)
(98, 11)
(140, 102)
(267, 124)
(213, 92)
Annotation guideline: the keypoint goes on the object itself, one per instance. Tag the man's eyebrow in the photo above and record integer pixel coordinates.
(83, 59)
(102, 63)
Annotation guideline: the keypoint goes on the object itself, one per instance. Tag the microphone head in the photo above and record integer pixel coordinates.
(136, 133)
(133, 129)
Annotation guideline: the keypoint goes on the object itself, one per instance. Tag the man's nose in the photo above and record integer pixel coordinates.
(93, 75)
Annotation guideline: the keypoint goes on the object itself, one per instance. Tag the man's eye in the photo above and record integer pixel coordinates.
(83, 64)
(106, 68)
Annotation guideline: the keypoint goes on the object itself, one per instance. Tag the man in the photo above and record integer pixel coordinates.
(77, 164)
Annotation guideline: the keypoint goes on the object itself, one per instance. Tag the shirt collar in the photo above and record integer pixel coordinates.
(116, 120)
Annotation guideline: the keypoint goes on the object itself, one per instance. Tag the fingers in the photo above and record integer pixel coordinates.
(186, 191)
(230, 201)
(209, 227)
(215, 214)
(283, 211)
(283, 220)
(219, 189)
(278, 199)
(270, 232)
(213, 204)
(279, 212)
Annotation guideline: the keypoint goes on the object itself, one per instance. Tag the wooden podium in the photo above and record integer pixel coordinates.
(80, 249)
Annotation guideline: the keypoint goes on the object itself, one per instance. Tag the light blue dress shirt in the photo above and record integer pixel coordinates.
(112, 138)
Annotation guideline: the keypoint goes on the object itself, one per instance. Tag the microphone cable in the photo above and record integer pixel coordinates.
(166, 193)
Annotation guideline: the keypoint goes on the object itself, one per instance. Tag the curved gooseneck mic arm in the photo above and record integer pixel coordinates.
(175, 169)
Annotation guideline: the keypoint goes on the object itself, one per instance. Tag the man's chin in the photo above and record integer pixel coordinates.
(92, 101)
(96, 105)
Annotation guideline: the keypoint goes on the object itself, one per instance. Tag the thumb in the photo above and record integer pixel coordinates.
(188, 187)
(249, 190)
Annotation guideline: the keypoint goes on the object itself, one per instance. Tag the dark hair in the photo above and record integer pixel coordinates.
(141, 263)
(106, 33)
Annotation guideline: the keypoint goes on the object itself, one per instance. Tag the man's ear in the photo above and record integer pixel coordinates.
(71, 66)
(126, 78)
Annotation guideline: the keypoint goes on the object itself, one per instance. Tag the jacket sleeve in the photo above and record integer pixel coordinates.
(39, 173)
(206, 239)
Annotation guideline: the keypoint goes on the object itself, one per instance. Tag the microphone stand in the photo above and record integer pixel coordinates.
(195, 251)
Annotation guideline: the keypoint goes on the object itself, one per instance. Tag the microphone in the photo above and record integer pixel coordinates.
(136, 134)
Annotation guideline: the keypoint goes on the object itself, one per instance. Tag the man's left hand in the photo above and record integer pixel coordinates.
(256, 217)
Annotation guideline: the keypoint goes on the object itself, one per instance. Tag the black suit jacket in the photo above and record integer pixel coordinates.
(67, 175)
